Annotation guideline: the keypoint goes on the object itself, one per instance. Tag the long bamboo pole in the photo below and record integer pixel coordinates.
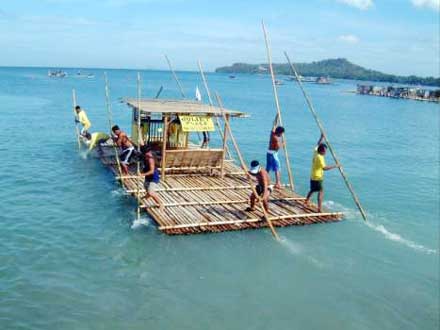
(205, 83)
(175, 77)
(74, 113)
(139, 140)
(321, 128)
(178, 84)
(277, 104)
(110, 121)
(245, 169)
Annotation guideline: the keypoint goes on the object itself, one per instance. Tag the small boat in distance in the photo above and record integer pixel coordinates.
(56, 74)
(279, 83)
(231, 76)
(79, 74)
(323, 80)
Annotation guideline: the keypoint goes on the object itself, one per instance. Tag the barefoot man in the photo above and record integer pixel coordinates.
(262, 188)
(121, 139)
(82, 119)
(272, 159)
(317, 173)
(152, 177)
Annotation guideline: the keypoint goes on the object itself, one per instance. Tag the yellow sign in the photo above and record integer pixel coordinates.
(196, 123)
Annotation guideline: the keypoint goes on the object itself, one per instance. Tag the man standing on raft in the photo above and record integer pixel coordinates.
(121, 139)
(317, 173)
(262, 188)
(152, 177)
(272, 159)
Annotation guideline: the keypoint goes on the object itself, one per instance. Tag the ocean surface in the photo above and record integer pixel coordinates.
(73, 255)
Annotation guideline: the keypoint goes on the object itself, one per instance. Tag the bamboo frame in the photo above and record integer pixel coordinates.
(225, 202)
(200, 188)
(321, 128)
(252, 220)
(277, 104)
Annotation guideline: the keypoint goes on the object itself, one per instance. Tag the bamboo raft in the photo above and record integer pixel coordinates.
(204, 191)
(197, 203)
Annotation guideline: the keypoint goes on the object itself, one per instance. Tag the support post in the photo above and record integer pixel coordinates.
(225, 140)
(164, 146)
(277, 104)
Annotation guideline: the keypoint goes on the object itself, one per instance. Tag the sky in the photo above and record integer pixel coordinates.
(392, 36)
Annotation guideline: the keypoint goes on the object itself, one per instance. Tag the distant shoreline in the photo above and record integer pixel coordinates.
(339, 68)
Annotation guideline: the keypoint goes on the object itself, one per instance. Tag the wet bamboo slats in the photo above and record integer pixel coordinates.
(196, 202)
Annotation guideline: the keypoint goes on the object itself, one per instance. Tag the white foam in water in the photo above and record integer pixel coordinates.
(139, 223)
(298, 250)
(83, 154)
(397, 238)
(119, 192)
(352, 214)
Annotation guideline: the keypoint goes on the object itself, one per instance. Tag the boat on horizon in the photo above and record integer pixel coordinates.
(56, 74)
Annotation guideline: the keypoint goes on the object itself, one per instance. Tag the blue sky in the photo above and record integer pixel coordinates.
(393, 36)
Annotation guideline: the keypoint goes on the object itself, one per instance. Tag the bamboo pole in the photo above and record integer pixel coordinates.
(321, 128)
(252, 220)
(205, 83)
(225, 141)
(74, 113)
(175, 77)
(245, 169)
(110, 121)
(159, 92)
(277, 104)
(178, 84)
(139, 140)
(223, 202)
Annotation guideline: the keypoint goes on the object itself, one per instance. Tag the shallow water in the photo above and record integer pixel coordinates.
(73, 257)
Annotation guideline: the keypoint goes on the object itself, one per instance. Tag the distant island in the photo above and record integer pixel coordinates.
(339, 68)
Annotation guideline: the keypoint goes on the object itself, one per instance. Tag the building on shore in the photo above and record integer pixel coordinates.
(401, 92)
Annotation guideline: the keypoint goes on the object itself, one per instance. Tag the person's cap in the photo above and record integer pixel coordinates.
(255, 167)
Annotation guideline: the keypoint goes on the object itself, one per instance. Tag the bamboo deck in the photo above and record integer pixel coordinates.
(200, 203)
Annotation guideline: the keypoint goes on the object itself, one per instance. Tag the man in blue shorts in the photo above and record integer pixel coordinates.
(272, 159)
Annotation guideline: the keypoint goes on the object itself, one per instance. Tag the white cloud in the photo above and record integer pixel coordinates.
(349, 38)
(360, 4)
(432, 4)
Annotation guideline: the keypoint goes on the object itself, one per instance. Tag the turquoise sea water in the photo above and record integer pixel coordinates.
(72, 256)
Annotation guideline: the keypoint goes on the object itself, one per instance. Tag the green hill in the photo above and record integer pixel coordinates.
(339, 68)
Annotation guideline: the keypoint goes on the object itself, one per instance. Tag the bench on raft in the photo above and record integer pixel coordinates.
(192, 160)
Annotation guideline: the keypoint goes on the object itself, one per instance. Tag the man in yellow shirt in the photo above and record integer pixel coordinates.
(317, 173)
(95, 139)
(82, 119)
